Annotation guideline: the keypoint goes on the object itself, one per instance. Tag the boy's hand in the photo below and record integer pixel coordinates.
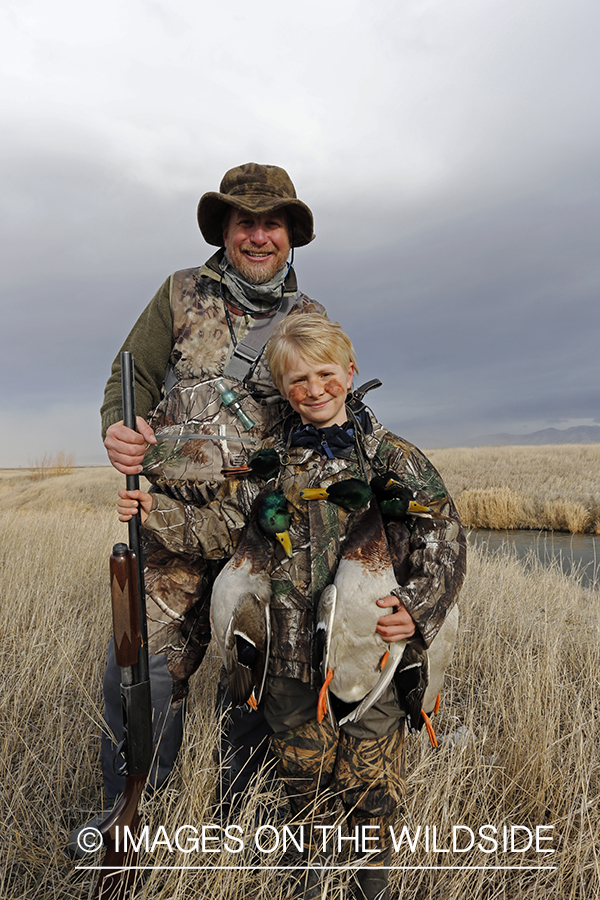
(126, 448)
(127, 504)
(398, 626)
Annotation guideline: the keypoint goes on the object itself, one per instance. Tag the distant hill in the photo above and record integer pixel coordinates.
(578, 434)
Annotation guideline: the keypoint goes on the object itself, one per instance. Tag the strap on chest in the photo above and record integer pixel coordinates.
(247, 351)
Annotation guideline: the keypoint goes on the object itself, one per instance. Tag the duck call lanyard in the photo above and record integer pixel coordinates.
(247, 352)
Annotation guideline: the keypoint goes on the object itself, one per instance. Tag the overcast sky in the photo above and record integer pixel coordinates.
(449, 149)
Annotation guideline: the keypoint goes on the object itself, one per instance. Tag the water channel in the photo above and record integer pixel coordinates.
(576, 554)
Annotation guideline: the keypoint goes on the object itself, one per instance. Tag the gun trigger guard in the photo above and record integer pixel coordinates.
(120, 769)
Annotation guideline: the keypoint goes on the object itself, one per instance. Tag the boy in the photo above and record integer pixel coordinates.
(313, 363)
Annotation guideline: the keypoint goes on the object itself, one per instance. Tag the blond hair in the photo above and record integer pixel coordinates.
(313, 338)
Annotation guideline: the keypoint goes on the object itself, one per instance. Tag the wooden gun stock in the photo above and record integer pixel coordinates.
(117, 876)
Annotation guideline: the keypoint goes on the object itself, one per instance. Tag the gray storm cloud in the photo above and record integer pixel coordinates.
(449, 152)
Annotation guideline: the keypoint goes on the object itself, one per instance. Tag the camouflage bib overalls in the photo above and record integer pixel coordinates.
(179, 585)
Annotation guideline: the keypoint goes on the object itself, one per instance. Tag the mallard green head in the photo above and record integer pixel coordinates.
(396, 500)
(274, 518)
(351, 494)
(265, 464)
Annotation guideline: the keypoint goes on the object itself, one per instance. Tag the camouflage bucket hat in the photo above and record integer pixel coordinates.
(255, 189)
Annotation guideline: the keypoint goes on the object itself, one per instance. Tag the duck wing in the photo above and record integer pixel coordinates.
(245, 573)
(440, 654)
(323, 631)
(398, 537)
(411, 679)
(247, 643)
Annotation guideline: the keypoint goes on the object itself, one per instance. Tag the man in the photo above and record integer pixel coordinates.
(204, 324)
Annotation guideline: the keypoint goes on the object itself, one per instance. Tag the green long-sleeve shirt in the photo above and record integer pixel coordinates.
(150, 341)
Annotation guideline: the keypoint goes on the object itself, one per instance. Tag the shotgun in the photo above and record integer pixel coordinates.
(133, 756)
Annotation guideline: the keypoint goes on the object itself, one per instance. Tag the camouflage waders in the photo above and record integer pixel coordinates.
(320, 765)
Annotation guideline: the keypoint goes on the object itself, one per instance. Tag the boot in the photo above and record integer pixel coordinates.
(307, 886)
(311, 882)
(372, 880)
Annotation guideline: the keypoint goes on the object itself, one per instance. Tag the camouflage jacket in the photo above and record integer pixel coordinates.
(190, 305)
(434, 551)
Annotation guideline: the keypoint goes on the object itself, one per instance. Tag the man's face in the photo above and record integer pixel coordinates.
(257, 245)
(317, 391)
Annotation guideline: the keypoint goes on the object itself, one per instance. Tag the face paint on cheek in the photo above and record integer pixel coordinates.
(298, 393)
(334, 388)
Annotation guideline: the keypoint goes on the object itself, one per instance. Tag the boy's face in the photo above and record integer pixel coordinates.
(317, 391)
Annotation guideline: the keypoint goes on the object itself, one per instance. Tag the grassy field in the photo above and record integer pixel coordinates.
(550, 487)
(521, 693)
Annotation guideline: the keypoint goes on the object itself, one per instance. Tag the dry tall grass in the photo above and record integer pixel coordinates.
(85, 490)
(523, 684)
(551, 487)
(51, 465)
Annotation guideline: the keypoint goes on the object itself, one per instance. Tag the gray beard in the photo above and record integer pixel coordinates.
(253, 297)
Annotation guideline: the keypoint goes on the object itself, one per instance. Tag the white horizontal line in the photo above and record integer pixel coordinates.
(321, 868)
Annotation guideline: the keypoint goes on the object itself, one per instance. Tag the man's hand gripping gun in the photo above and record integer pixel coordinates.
(134, 754)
